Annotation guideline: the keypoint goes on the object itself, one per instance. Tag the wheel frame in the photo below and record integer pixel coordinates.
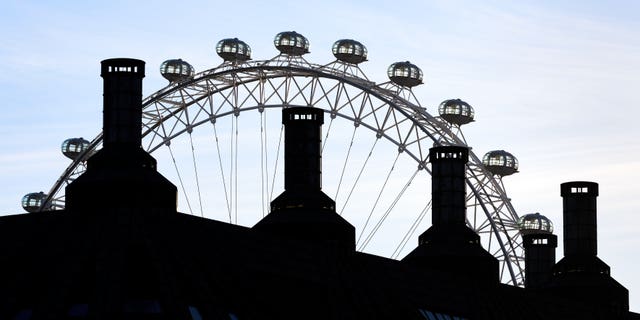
(174, 101)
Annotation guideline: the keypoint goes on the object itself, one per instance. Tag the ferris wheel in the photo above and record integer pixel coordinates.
(218, 134)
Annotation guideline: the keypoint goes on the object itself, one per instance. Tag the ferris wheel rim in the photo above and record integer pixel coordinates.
(305, 70)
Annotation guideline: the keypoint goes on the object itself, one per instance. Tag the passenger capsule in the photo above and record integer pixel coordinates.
(176, 70)
(32, 202)
(74, 147)
(349, 51)
(534, 223)
(233, 50)
(456, 111)
(405, 74)
(291, 43)
(500, 162)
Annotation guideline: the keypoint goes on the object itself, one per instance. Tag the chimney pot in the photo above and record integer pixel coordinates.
(448, 185)
(122, 100)
(580, 217)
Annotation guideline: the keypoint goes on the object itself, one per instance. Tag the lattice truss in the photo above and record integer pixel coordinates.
(389, 111)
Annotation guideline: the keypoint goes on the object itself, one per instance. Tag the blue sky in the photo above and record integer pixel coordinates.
(553, 82)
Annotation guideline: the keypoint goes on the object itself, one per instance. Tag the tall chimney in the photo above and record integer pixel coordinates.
(539, 249)
(121, 174)
(540, 256)
(302, 150)
(449, 245)
(303, 161)
(579, 215)
(580, 274)
(448, 188)
(122, 101)
(303, 211)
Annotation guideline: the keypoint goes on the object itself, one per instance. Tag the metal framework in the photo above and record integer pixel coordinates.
(343, 91)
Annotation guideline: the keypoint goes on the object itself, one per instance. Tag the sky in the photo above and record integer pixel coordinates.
(553, 82)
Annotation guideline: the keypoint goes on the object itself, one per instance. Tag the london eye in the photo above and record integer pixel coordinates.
(218, 137)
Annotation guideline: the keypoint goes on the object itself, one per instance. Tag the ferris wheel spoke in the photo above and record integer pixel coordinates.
(275, 170)
(387, 212)
(474, 225)
(231, 168)
(502, 269)
(412, 229)
(195, 170)
(262, 165)
(234, 165)
(490, 240)
(184, 191)
(264, 161)
(185, 120)
(224, 183)
(355, 183)
(375, 204)
(326, 137)
(346, 161)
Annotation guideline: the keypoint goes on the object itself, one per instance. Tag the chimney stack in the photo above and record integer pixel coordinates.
(448, 185)
(581, 274)
(540, 256)
(303, 211)
(122, 101)
(302, 149)
(449, 245)
(579, 214)
(579, 211)
(121, 174)
(303, 161)
(539, 249)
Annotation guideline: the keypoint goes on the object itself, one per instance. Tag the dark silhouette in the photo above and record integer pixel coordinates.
(303, 211)
(539, 250)
(581, 274)
(120, 250)
(449, 245)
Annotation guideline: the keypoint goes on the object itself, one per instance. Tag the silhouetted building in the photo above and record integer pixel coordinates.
(450, 245)
(581, 274)
(539, 249)
(120, 250)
